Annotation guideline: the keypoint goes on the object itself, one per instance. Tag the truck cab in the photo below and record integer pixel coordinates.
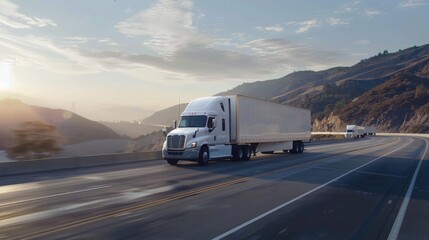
(202, 133)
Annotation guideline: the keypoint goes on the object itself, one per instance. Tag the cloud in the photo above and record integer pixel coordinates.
(10, 17)
(363, 42)
(108, 42)
(275, 28)
(168, 25)
(305, 26)
(372, 12)
(43, 53)
(265, 58)
(412, 3)
(281, 54)
(75, 40)
(336, 21)
(182, 54)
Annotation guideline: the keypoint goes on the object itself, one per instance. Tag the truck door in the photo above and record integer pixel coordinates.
(213, 131)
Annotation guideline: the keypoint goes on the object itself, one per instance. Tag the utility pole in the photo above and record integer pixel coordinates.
(179, 110)
(73, 107)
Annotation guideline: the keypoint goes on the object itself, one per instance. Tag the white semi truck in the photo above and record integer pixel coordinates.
(234, 127)
(353, 131)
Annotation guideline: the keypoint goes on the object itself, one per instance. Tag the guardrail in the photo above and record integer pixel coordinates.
(50, 164)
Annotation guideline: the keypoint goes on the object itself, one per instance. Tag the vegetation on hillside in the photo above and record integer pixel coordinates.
(34, 140)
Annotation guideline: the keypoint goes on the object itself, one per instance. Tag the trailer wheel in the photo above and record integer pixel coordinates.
(300, 147)
(247, 153)
(172, 162)
(204, 156)
(296, 147)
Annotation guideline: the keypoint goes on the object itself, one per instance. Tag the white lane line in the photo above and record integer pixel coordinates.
(223, 235)
(394, 232)
(347, 144)
(55, 195)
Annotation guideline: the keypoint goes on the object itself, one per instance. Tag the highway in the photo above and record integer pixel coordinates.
(373, 188)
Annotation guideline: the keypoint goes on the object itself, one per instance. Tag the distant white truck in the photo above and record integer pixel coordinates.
(354, 131)
(234, 127)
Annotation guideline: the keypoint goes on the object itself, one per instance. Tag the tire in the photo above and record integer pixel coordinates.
(172, 162)
(247, 153)
(300, 147)
(295, 147)
(237, 153)
(204, 157)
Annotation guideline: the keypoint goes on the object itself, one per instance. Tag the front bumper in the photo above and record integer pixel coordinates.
(187, 154)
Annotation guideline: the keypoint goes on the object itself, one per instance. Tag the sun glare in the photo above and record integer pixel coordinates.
(6, 74)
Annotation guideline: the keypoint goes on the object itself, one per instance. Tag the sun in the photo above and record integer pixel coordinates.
(6, 74)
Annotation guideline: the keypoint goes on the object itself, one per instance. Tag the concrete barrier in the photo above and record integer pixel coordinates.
(51, 164)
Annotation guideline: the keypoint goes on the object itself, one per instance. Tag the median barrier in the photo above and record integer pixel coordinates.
(51, 164)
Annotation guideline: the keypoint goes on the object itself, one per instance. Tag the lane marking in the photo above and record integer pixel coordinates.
(18, 187)
(130, 209)
(346, 144)
(300, 197)
(394, 232)
(55, 195)
(125, 197)
(364, 172)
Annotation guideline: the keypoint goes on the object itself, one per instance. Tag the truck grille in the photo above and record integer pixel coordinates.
(176, 142)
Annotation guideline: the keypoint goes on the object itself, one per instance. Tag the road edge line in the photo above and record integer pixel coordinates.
(396, 228)
(243, 225)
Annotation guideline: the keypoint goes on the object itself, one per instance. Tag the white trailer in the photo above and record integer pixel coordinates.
(353, 131)
(234, 127)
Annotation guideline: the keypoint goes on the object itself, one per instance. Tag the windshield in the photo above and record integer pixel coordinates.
(192, 121)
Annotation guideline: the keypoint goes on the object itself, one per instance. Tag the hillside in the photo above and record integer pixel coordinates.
(131, 129)
(166, 116)
(71, 128)
(400, 104)
(339, 96)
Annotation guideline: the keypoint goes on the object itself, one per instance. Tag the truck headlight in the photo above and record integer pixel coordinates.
(193, 144)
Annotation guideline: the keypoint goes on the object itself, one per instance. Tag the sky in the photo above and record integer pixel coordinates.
(87, 55)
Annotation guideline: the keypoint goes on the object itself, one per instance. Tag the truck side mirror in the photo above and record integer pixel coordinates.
(175, 124)
(214, 123)
(164, 130)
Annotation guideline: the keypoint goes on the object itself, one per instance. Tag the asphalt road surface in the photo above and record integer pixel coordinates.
(373, 188)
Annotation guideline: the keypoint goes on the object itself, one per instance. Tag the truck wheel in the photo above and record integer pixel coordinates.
(237, 153)
(172, 162)
(204, 156)
(295, 147)
(247, 153)
(300, 147)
